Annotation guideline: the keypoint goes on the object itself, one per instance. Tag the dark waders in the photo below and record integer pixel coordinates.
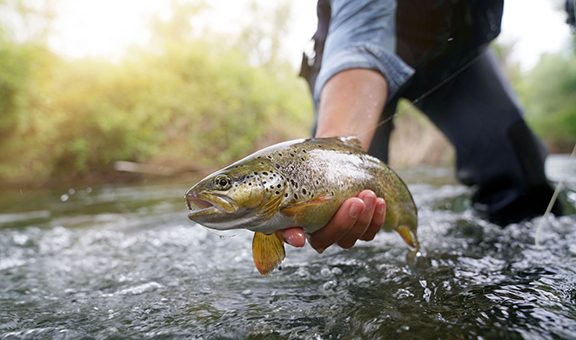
(496, 153)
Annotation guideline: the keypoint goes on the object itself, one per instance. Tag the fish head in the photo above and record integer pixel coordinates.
(242, 195)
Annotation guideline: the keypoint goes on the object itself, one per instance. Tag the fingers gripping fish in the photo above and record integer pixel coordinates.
(297, 183)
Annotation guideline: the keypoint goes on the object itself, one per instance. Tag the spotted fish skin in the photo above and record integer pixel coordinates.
(300, 183)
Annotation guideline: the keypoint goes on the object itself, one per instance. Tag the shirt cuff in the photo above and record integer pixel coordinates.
(365, 56)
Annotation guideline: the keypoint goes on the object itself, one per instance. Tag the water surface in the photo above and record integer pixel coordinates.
(124, 262)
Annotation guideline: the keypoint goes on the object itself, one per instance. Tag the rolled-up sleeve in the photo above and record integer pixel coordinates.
(362, 35)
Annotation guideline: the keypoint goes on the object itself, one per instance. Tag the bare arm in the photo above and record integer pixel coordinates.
(351, 103)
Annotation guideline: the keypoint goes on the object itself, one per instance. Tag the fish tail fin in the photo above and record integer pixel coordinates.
(409, 237)
(267, 251)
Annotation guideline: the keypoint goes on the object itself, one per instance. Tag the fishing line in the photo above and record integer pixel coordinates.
(425, 94)
(559, 187)
(415, 102)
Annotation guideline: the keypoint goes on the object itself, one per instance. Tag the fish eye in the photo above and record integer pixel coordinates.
(222, 182)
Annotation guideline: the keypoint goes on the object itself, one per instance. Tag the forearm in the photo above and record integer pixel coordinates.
(351, 103)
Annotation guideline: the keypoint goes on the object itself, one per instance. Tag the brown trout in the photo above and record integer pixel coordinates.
(297, 183)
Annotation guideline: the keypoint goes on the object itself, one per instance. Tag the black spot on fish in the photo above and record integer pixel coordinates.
(304, 191)
(255, 173)
(286, 195)
(277, 165)
(277, 192)
(264, 182)
(296, 196)
(279, 185)
(265, 173)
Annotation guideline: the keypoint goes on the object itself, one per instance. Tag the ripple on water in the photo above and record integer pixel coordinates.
(141, 270)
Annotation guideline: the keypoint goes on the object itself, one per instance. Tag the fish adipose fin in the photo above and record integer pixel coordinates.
(267, 251)
(409, 237)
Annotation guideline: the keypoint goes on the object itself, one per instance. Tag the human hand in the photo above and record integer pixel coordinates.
(358, 218)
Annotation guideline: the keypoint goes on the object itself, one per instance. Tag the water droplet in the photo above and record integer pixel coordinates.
(363, 280)
(325, 271)
(20, 239)
(330, 285)
(302, 272)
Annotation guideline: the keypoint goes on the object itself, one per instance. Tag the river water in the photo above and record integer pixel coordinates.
(124, 262)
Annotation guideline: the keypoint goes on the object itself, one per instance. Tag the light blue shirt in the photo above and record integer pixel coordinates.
(362, 34)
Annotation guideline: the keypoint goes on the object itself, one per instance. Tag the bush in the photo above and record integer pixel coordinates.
(550, 100)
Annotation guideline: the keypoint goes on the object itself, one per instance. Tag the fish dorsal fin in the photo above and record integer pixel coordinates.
(351, 141)
(267, 251)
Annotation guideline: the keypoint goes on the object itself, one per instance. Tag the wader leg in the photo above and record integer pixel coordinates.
(496, 152)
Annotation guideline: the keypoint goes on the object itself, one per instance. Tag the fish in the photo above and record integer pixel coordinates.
(302, 183)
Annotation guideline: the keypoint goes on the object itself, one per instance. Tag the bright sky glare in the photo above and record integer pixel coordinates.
(108, 27)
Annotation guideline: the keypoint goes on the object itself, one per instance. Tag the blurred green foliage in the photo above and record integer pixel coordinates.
(548, 94)
(189, 100)
(550, 97)
(186, 102)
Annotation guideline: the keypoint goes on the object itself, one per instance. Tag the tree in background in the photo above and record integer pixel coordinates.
(551, 101)
(188, 100)
(549, 91)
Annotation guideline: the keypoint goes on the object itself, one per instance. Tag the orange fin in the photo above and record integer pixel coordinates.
(409, 237)
(267, 251)
(295, 209)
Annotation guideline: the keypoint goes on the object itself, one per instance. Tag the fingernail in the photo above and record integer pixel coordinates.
(380, 209)
(355, 210)
(295, 239)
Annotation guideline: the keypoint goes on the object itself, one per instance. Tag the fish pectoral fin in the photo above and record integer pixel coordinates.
(409, 237)
(267, 251)
(297, 208)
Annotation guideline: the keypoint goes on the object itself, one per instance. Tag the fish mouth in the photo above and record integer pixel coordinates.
(202, 206)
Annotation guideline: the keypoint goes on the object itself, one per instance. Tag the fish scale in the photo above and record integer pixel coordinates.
(298, 183)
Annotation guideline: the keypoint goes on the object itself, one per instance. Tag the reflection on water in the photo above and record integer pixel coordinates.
(125, 262)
